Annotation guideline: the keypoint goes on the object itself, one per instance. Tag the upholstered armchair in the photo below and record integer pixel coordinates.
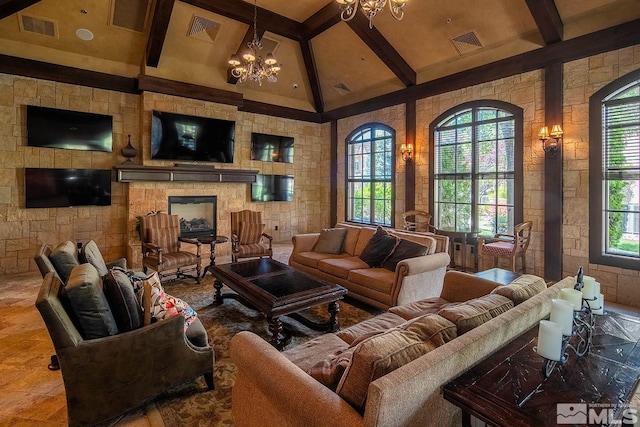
(417, 220)
(107, 376)
(511, 246)
(161, 247)
(247, 237)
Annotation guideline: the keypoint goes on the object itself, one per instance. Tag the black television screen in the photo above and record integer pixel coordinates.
(59, 188)
(271, 148)
(180, 137)
(72, 130)
(272, 188)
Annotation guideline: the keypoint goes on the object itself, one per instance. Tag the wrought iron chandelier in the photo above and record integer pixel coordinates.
(252, 65)
(370, 8)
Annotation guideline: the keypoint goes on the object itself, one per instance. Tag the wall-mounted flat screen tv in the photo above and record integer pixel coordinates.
(272, 188)
(60, 188)
(72, 130)
(271, 148)
(180, 137)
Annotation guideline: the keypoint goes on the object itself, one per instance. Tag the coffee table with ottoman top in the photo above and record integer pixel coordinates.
(276, 290)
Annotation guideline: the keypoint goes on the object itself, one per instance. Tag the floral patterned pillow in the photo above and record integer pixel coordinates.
(163, 305)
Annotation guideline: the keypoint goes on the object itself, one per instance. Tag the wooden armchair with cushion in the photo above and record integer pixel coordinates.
(512, 246)
(416, 220)
(247, 237)
(161, 246)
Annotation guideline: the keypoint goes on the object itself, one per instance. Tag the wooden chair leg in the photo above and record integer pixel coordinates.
(513, 263)
(524, 263)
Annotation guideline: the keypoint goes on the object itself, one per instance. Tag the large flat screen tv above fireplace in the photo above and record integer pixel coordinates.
(180, 137)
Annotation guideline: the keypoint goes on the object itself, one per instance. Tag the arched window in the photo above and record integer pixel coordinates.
(370, 171)
(476, 168)
(614, 174)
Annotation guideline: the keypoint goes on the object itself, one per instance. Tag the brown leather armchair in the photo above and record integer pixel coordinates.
(161, 247)
(247, 237)
(106, 377)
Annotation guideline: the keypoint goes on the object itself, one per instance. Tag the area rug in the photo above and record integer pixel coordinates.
(191, 404)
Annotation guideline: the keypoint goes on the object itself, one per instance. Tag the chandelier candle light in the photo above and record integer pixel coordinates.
(571, 322)
(370, 8)
(252, 65)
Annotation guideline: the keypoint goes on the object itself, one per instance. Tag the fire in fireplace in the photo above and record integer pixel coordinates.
(197, 214)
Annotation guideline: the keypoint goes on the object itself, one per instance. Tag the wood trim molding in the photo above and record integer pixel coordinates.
(278, 111)
(187, 90)
(410, 167)
(9, 7)
(182, 173)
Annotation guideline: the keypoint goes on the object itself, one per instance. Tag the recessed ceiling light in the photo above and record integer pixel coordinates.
(84, 34)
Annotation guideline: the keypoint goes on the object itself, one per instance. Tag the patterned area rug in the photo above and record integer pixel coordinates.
(191, 404)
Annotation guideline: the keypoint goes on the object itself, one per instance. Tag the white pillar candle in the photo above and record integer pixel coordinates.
(573, 296)
(589, 288)
(549, 340)
(599, 304)
(562, 314)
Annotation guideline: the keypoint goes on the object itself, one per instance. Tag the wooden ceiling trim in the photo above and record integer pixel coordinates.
(187, 90)
(63, 74)
(244, 46)
(547, 19)
(243, 12)
(613, 38)
(158, 32)
(278, 111)
(383, 49)
(9, 7)
(312, 75)
(322, 20)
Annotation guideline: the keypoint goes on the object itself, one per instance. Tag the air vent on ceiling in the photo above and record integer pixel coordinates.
(130, 14)
(467, 43)
(342, 88)
(37, 25)
(203, 28)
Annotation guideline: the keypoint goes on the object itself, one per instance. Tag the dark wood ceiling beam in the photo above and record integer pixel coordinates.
(158, 32)
(312, 75)
(188, 90)
(322, 20)
(9, 7)
(244, 46)
(63, 74)
(609, 39)
(547, 19)
(243, 11)
(383, 49)
(256, 107)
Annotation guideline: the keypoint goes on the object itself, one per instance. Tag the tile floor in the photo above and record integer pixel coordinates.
(31, 394)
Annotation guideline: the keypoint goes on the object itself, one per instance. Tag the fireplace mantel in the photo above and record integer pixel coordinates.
(182, 173)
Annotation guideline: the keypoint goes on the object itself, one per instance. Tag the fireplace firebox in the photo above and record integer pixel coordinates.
(198, 214)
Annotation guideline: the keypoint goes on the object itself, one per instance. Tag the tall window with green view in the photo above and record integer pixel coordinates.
(476, 163)
(621, 172)
(370, 171)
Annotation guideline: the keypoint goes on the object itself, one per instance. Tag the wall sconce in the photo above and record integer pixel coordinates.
(550, 140)
(406, 150)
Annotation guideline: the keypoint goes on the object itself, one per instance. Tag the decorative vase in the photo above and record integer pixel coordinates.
(129, 151)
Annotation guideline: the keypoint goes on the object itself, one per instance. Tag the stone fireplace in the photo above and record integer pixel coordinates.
(198, 214)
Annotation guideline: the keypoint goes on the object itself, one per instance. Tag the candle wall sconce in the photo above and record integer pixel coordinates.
(550, 140)
(571, 323)
(406, 150)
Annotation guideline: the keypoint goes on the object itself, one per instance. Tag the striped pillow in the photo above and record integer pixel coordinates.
(249, 233)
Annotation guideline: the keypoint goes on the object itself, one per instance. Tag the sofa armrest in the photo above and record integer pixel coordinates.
(268, 383)
(122, 263)
(419, 278)
(304, 242)
(459, 286)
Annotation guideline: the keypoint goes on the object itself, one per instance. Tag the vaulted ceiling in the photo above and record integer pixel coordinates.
(327, 64)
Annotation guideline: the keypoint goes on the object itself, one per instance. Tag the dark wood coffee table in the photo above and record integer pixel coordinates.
(276, 290)
(509, 388)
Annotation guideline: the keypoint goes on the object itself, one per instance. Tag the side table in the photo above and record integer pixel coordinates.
(509, 388)
(463, 238)
(213, 241)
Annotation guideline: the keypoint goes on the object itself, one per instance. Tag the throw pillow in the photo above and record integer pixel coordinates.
(521, 289)
(249, 233)
(475, 312)
(91, 254)
(404, 249)
(122, 300)
(378, 249)
(329, 371)
(164, 305)
(89, 303)
(64, 258)
(330, 241)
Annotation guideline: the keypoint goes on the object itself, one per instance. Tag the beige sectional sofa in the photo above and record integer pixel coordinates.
(277, 389)
(412, 279)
